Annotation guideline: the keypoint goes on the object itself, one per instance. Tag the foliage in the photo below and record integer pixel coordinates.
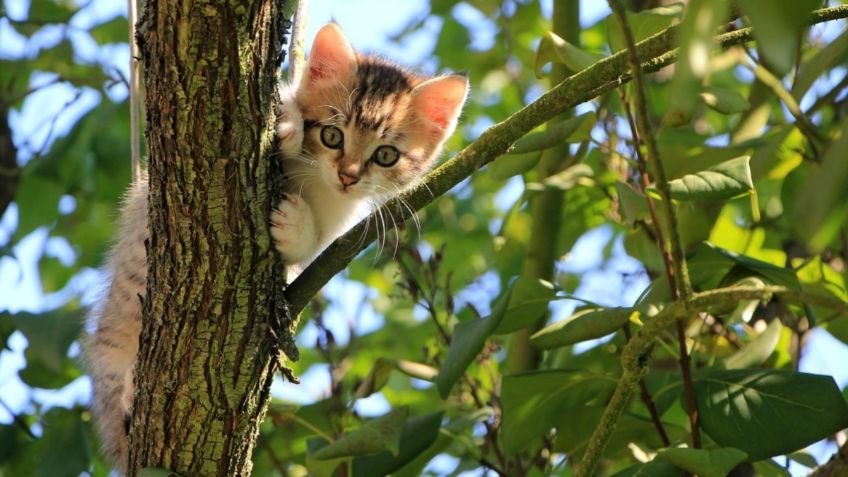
(757, 184)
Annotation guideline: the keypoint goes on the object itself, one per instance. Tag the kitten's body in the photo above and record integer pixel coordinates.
(349, 115)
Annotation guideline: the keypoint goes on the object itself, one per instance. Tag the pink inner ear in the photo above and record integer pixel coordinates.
(332, 55)
(440, 100)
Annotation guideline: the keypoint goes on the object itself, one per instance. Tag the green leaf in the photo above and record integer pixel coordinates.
(723, 100)
(38, 202)
(705, 463)
(115, 30)
(554, 48)
(528, 302)
(62, 449)
(381, 371)
(533, 401)
(758, 350)
(50, 334)
(564, 180)
(831, 54)
(417, 436)
(643, 24)
(697, 33)
(821, 205)
(654, 468)
(723, 181)
(375, 436)
(633, 206)
(582, 326)
(712, 266)
(510, 165)
(54, 274)
(467, 341)
(571, 130)
(751, 410)
(777, 29)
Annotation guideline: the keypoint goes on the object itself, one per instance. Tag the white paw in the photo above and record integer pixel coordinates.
(290, 127)
(293, 229)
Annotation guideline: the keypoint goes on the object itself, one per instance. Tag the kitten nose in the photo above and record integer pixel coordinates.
(348, 179)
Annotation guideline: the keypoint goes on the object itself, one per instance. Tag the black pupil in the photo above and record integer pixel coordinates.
(332, 136)
(386, 155)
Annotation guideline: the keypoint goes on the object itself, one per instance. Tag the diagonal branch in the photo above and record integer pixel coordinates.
(636, 353)
(603, 76)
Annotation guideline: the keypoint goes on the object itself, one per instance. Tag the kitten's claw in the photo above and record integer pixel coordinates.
(293, 229)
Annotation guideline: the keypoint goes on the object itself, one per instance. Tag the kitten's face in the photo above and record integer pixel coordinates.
(372, 128)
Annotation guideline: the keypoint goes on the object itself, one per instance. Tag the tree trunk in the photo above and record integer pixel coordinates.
(207, 352)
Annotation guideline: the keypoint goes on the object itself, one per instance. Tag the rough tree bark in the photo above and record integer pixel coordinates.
(207, 357)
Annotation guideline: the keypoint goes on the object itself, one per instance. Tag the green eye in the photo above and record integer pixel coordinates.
(386, 156)
(332, 137)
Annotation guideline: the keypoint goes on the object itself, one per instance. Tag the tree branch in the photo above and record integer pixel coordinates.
(636, 354)
(601, 77)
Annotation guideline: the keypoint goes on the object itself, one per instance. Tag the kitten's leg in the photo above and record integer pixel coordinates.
(290, 124)
(293, 229)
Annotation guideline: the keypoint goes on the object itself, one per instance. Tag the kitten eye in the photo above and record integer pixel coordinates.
(386, 156)
(332, 137)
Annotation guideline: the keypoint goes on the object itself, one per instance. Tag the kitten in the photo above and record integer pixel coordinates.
(353, 132)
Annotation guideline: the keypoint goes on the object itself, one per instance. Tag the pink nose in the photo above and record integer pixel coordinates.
(347, 179)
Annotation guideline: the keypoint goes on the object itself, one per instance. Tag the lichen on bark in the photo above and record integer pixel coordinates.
(215, 318)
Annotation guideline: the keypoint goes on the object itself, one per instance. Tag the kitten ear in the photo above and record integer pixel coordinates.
(439, 101)
(331, 56)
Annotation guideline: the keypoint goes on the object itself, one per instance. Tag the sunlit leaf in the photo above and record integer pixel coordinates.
(582, 326)
(736, 404)
(723, 181)
(419, 433)
(758, 350)
(554, 48)
(532, 401)
(378, 435)
(723, 100)
(777, 28)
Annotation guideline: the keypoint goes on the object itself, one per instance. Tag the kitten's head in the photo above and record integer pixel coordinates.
(372, 127)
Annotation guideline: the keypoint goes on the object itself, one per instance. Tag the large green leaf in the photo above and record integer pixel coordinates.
(572, 130)
(62, 450)
(528, 302)
(705, 463)
(722, 181)
(375, 436)
(553, 48)
(418, 434)
(712, 266)
(752, 410)
(582, 326)
(777, 28)
(49, 336)
(821, 206)
(533, 401)
(466, 342)
(697, 33)
(115, 30)
(758, 350)
(642, 24)
(724, 100)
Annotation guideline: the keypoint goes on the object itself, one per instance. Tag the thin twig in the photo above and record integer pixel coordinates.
(135, 89)
(297, 42)
(20, 422)
(677, 270)
(649, 401)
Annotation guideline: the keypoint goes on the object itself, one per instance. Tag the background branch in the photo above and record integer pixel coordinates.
(601, 77)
